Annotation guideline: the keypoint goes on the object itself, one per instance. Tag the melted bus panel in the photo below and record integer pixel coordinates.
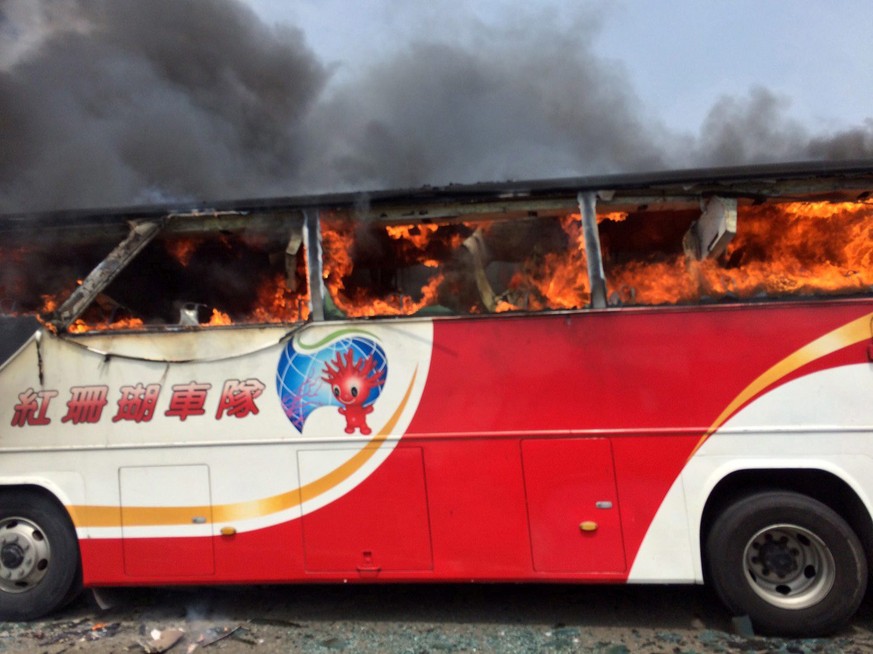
(428, 386)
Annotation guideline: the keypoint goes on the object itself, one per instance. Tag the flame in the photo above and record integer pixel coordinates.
(614, 216)
(780, 250)
(273, 303)
(417, 235)
(49, 303)
(80, 326)
(276, 303)
(219, 318)
(799, 248)
(182, 249)
(338, 240)
(336, 244)
(785, 249)
(559, 279)
(360, 305)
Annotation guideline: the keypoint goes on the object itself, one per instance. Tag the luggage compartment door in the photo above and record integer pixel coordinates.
(380, 526)
(150, 498)
(575, 524)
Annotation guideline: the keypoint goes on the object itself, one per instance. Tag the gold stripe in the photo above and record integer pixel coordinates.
(142, 516)
(849, 334)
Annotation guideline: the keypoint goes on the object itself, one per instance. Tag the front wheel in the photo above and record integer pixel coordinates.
(788, 561)
(39, 556)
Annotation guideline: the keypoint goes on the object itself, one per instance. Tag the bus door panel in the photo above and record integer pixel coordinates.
(575, 524)
(149, 497)
(381, 525)
(477, 508)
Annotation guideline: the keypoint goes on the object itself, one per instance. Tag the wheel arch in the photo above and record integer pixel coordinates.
(47, 492)
(822, 485)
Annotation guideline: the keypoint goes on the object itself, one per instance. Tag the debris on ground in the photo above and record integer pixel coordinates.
(162, 640)
(415, 620)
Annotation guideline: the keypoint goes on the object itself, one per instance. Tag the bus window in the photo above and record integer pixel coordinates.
(210, 278)
(527, 263)
(781, 250)
(24, 293)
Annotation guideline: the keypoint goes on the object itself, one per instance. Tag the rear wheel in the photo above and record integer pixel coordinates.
(39, 556)
(788, 561)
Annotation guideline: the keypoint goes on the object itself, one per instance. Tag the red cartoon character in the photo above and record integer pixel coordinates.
(351, 384)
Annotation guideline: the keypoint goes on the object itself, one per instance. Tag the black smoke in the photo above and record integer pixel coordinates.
(132, 102)
(758, 129)
(119, 102)
(517, 105)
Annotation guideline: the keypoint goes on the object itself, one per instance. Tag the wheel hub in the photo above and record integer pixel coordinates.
(24, 555)
(11, 556)
(789, 566)
(778, 558)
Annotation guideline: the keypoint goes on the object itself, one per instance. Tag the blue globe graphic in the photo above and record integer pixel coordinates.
(299, 375)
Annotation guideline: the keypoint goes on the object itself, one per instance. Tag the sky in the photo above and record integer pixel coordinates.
(680, 56)
(119, 102)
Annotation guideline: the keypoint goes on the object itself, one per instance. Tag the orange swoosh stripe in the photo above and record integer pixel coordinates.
(849, 334)
(113, 516)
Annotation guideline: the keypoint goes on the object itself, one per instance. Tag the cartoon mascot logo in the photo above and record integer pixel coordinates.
(348, 373)
(351, 384)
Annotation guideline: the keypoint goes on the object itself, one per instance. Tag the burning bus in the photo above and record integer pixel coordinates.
(631, 378)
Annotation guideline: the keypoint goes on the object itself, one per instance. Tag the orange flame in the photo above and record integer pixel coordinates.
(277, 304)
(182, 249)
(801, 248)
(417, 235)
(614, 216)
(787, 249)
(337, 240)
(49, 303)
(219, 318)
(80, 326)
(274, 301)
(337, 246)
(560, 278)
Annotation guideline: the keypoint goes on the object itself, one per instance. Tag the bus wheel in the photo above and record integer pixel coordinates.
(39, 556)
(789, 562)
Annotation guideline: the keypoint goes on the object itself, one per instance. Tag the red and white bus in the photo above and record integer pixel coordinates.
(661, 378)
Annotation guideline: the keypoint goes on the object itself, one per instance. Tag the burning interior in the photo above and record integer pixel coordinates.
(710, 238)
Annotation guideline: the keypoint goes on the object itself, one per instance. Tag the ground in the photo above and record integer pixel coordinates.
(416, 620)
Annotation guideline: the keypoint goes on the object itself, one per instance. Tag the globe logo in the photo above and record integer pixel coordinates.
(348, 373)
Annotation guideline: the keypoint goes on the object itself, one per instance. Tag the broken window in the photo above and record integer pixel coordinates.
(38, 273)
(526, 263)
(474, 251)
(788, 249)
(184, 277)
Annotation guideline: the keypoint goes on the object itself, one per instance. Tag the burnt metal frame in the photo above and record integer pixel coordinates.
(809, 181)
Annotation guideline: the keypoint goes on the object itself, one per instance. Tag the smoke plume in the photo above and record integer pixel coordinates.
(120, 102)
(141, 101)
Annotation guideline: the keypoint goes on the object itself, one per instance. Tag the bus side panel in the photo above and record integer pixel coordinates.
(477, 508)
(575, 522)
(380, 527)
(652, 380)
(267, 555)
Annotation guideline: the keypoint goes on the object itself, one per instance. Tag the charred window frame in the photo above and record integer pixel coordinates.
(507, 250)
(717, 249)
(476, 261)
(187, 271)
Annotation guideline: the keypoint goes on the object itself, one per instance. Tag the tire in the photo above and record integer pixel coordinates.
(789, 562)
(39, 556)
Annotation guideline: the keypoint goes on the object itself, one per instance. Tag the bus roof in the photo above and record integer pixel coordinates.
(820, 180)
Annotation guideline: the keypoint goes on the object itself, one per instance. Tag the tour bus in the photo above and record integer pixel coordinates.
(647, 378)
